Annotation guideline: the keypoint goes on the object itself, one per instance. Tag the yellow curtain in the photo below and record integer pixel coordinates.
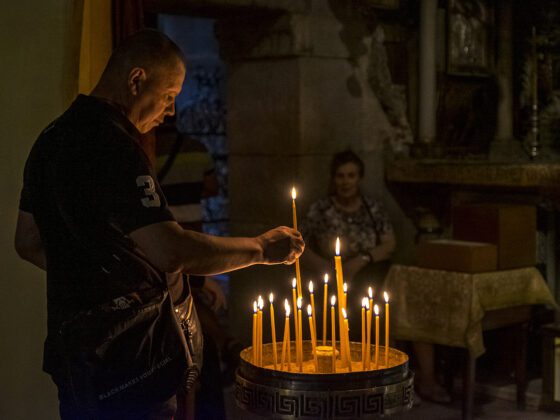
(96, 43)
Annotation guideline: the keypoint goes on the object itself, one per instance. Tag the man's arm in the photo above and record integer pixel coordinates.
(172, 248)
(28, 242)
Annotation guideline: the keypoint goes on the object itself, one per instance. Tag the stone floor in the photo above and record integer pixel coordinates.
(493, 402)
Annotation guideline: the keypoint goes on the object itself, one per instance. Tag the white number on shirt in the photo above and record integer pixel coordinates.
(151, 198)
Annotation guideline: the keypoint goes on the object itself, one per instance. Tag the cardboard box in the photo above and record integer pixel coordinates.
(512, 228)
(454, 255)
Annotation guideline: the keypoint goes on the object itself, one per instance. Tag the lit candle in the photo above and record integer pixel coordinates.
(300, 361)
(286, 341)
(325, 293)
(364, 303)
(368, 335)
(370, 295)
(386, 296)
(255, 350)
(345, 291)
(333, 332)
(273, 326)
(294, 217)
(376, 310)
(260, 302)
(339, 291)
(312, 297)
(347, 344)
(313, 337)
(296, 330)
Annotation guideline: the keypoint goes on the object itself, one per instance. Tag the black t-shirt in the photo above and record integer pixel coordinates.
(88, 185)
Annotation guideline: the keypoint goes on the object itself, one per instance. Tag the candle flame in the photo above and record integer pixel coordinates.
(386, 296)
(287, 308)
(294, 193)
(370, 292)
(260, 301)
(345, 316)
(294, 283)
(333, 300)
(311, 287)
(345, 287)
(309, 310)
(255, 306)
(271, 297)
(367, 304)
(337, 247)
(376, 309)
(364, 302)
(326, 278)
(299, 302)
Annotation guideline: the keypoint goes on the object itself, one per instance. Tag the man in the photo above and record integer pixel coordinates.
(93, 216)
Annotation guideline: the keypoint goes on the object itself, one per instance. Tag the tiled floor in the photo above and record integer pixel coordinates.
(494, 404)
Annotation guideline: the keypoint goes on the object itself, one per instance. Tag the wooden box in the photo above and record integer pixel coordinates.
(511, 227)
(454, 255)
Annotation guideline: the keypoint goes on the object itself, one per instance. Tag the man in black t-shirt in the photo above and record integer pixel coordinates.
(90, 196)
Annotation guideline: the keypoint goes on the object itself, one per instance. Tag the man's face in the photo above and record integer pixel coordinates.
(154, 96)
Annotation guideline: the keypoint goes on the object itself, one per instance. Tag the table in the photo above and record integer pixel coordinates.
(453, 308)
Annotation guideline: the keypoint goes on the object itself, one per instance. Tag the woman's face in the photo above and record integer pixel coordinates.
(347, 180)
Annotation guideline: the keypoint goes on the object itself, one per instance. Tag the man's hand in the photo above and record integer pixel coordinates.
(281, 245)
(212, 289)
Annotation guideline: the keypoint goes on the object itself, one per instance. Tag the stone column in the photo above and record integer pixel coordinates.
(427, 70)
(504, 64)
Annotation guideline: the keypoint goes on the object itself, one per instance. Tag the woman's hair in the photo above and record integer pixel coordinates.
(342, 158)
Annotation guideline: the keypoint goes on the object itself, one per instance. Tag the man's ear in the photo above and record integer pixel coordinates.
(136, 80)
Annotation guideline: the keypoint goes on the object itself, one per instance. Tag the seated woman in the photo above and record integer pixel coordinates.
(366, 234)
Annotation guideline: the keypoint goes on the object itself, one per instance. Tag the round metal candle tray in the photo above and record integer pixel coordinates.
(360, 394)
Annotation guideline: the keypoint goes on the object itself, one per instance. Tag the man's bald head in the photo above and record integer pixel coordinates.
(147, 49)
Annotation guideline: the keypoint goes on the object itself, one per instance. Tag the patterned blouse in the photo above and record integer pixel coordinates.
(359, 231)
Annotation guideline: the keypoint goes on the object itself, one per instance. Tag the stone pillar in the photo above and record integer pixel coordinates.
(294, 99)
(504, 64)
(427, 70)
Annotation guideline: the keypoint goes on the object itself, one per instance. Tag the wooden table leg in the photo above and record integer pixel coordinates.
(521, 335)
(468, 386)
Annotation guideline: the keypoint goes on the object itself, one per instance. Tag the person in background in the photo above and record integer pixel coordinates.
(365, 231)
(90, 199)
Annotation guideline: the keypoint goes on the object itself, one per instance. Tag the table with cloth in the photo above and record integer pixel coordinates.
(448, 308)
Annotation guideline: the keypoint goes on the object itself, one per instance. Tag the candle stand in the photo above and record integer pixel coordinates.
(386, 391)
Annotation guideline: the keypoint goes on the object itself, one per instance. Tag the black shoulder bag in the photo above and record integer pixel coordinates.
(127, 352)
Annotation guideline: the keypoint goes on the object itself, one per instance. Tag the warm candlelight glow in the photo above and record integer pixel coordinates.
(337, 247)
(325, 293)
(386, 296)
(364, 350)
(254, 337)
(294, 193)
(311, 287)
(333, 332)
(273, 328)
(376, 311)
